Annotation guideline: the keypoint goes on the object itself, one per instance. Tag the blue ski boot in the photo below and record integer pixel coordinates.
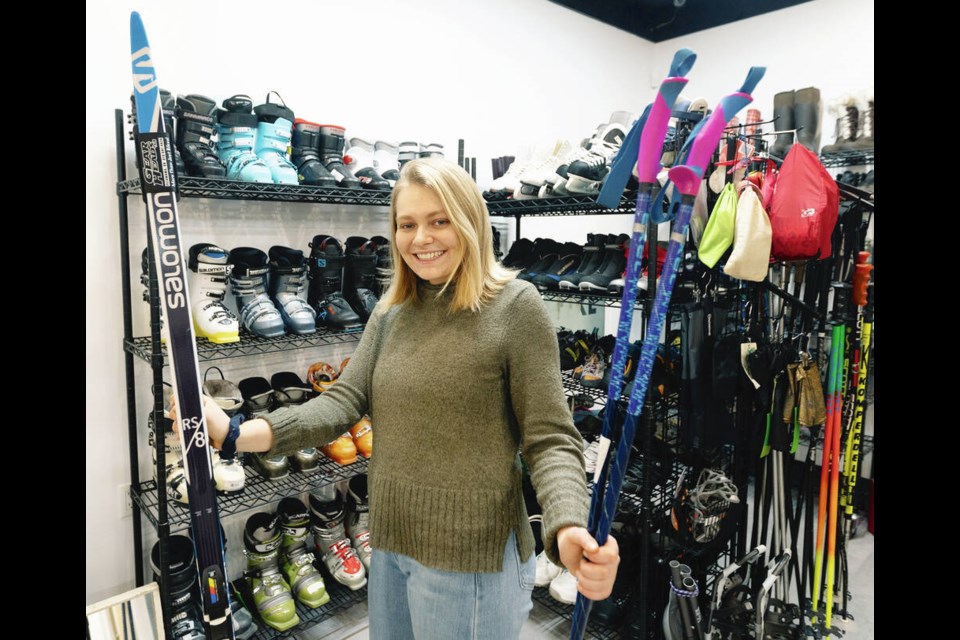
(274, 122)
(287, 274)
(236, 126)
(248, 280)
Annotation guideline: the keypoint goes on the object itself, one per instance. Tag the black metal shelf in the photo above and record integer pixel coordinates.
(565, 611)
(249, 344)
(847, 158)
(561, 206)
(341, 598)
(223, 189)
(256, 493)
(598, 298)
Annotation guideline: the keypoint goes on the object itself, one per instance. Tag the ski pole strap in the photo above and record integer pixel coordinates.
(619, 174)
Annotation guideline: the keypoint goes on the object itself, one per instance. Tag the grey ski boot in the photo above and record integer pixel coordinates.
(288, 273)
(248, 280)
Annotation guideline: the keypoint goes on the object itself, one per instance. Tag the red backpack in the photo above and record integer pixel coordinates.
(804, 207)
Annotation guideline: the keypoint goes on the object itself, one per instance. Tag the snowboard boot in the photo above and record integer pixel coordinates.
(296, 562)
(333, 546)
(360, 275)
(362, 434)
(614, 262)
(176, 477)
(304, 155)
(357, 518)
(274, 122)
(271, 593)
(783, 120)
(287, 275)
(325, 291)
(408, 151)
(848, 119)
(236, 130)
(207, 281)
(806, 117)
(865, 141)
(359, 157)
(331, 155)
(289, 390)
(386, 161)
(169, 106)
(248, 279)
(384, 265)
(591, 257)
(196, 122)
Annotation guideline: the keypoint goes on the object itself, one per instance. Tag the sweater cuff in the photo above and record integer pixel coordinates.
(287, 434)
(566, 513)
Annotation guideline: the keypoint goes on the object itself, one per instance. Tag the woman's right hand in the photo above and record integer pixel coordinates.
(218, 422)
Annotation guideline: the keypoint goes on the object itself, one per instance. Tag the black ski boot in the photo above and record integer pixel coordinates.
(331, 154)
(360, 275)
(305, 142)
(384, 265)
(167, 103)
(195, 125)
(568, 260)
(186, 618)
(592, 256)
(325, 292)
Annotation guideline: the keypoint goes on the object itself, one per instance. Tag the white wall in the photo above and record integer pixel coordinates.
(501, 74)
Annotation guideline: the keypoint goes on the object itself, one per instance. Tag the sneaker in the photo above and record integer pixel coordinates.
(546, 570)
(333, 546)
(563, 588)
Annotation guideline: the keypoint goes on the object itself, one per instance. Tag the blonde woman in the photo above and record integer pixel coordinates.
(459, 370)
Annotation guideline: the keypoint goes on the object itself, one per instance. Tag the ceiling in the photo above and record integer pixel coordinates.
(659, 20)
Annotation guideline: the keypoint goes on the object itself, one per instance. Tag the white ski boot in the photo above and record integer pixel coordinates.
(209, 267)
(386, 161)
(333, 546)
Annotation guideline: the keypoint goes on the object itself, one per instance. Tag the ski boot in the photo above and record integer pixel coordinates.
(274, 122)
(592, 256)
(357, 519)
(343, 451)
(386, 162)
(305, 142)
(326, 284)
(287, 275)
(271, 593)
(331, 155)
(195, 125)
(321, 376)
(296, 562)
(236, 128)
(186, 618)
(258, 400)
(176, 477)
(228, 474)
(333, 547)
(360, 159)
(248, 280)
(360, 275)
(613, 265)
(209, 267)
(384, 265)
(362, 434)
(290, 390)
(168, 105)
(243, 625)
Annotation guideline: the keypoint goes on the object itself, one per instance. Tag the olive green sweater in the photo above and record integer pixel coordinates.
(453, 397)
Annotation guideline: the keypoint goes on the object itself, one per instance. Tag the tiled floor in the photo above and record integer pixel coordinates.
(545, 625)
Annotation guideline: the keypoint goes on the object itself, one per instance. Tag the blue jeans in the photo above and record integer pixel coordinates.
(408, 601)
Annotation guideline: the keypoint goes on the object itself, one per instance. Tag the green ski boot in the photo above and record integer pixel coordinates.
(271, 593)
(296, 561)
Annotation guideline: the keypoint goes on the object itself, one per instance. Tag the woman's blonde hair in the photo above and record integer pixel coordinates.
(478, 276)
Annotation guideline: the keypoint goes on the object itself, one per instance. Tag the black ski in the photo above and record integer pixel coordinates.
(158, 183)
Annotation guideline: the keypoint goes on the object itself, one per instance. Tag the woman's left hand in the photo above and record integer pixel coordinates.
(595, 567)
